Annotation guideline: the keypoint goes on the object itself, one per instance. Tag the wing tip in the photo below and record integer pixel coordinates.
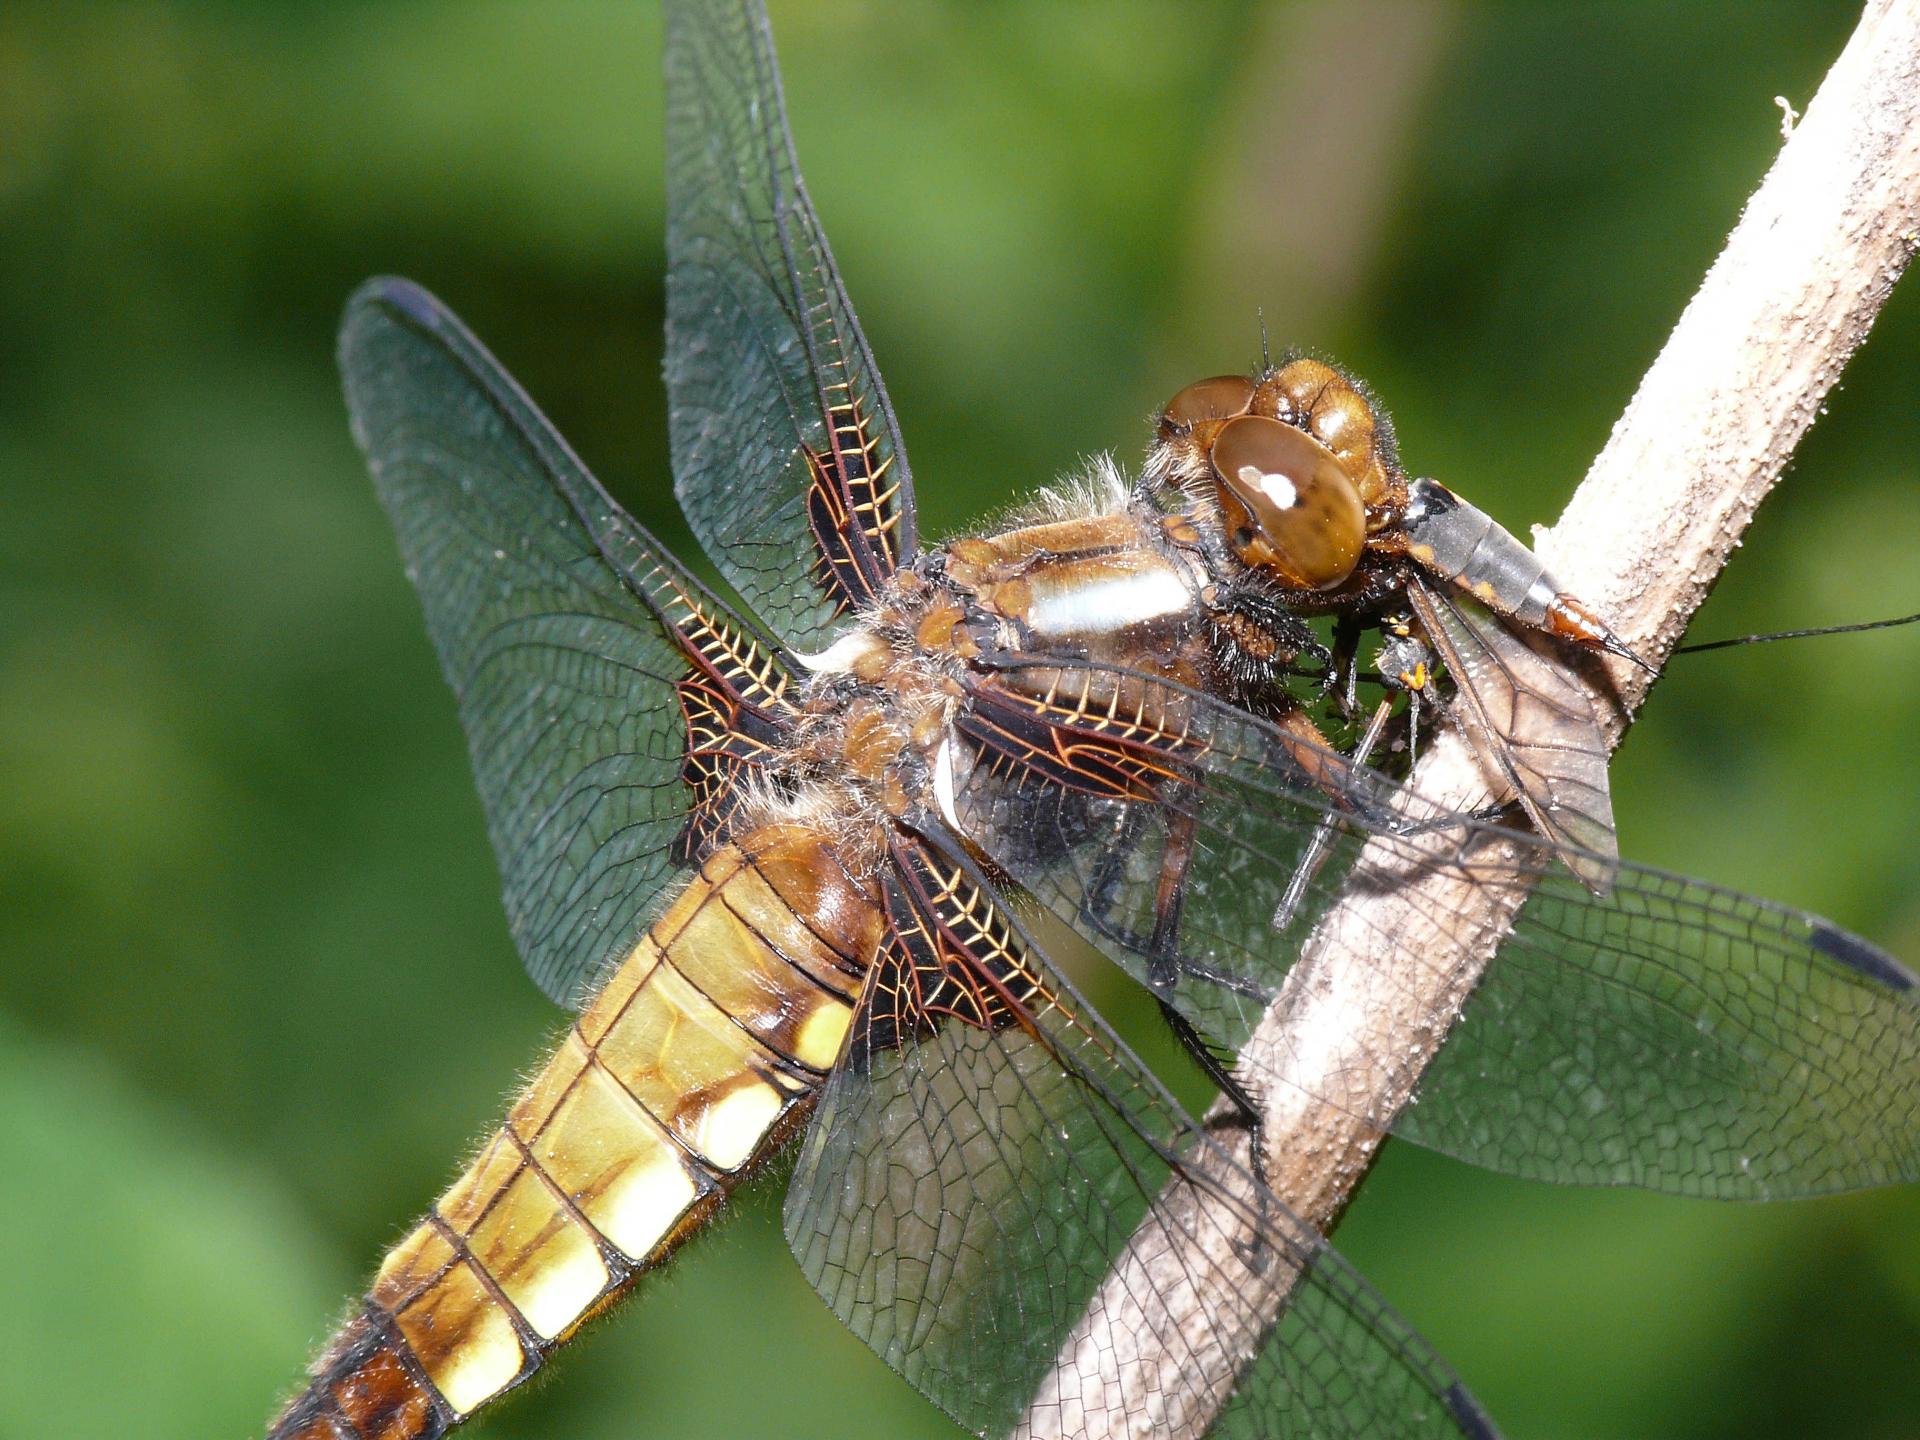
(1474, 1423)
(377, 303)
(396, 295)
(1862, 957)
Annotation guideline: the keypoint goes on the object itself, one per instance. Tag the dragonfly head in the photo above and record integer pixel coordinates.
(1287, 507)
(1289, 460)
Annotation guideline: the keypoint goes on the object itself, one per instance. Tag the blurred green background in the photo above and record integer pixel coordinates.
(256, 995)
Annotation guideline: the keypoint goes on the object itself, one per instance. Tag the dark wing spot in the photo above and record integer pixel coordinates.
(1467, 1414)
(410, 300)
(1857, 954)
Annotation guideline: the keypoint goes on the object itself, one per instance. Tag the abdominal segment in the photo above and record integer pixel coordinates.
(704, 1049)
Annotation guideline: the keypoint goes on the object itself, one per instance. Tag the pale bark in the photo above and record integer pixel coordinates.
(1708, 433)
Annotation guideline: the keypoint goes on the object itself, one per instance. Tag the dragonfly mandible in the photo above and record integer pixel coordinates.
(786, 860)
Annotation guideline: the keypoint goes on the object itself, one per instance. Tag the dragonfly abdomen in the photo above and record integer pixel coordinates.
(703, 1050)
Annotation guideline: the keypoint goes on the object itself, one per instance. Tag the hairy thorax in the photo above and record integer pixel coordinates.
(1100, 581)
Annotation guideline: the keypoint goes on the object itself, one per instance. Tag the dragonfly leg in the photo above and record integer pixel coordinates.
(1166, 967)
(1257, 645)
(1160, 948)
(1169, 899)
(1097, 907)
(1343, 675)
(1164, 971)
(1320, 844)
(1243, 1110)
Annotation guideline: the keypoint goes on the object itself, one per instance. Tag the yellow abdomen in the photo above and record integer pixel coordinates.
(704, 1049)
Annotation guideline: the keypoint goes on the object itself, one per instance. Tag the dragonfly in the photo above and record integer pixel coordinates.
(804, 867)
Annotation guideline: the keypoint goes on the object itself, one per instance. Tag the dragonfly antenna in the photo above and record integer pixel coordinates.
(1797, 634)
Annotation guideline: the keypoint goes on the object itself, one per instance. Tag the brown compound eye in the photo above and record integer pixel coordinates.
(1218, 398)
(1289, 507)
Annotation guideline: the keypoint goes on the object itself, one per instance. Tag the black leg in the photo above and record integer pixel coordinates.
(1246, 1111)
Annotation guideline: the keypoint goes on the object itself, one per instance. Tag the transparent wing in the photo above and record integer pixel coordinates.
(1683, 1038)
(580, 654)
(786, 457)
(987, 1151)
(1670, 1034)
(1533, 722)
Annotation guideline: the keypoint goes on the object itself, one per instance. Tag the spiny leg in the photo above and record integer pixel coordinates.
(1165, 970)
(1307, 869)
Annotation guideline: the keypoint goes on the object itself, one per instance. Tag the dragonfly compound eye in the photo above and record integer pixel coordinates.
(1219, 398)
(1289, 508)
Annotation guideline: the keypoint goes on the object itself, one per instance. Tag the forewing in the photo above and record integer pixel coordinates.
(1533, 723)
(1670, 1034)
(973, 1175)
(579, 652)
(786, 457)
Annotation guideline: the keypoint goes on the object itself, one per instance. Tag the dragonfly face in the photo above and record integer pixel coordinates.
(1295, 477)
(770, 858)
(1307, 493)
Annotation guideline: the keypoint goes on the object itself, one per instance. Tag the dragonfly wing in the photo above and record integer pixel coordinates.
(1684, 1038)
(786, 457)
(1533, 723)
(1103, 790)
(987, 1148)
(1668, 1034)
(581, 655)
